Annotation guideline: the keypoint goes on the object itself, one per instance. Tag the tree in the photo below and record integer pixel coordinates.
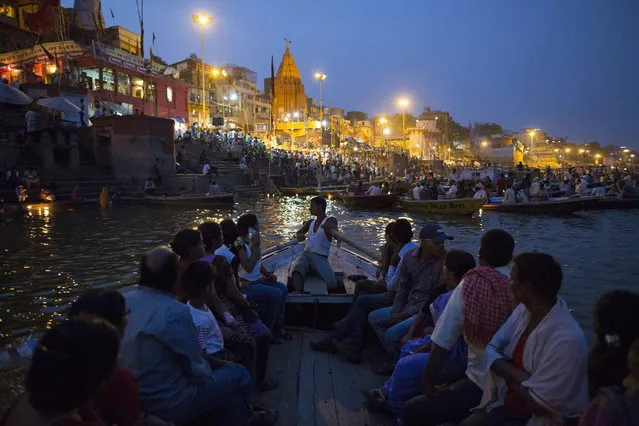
(194, 56)
(456, 132)
(486, 130)
(353, 116)
(395, 121)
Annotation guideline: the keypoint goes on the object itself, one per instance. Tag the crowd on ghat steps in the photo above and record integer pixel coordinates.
(484, 341)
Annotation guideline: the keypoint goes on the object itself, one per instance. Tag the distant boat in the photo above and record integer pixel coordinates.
(312, 190)
(552, 206)
(449, 207)
(188, 200)
(381, 201)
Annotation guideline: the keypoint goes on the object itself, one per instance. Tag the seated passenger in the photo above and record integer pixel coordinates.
(405, 382)
(613, 364)
(314, 259)
(71, 363)
(161, 349)
(118, 401)
(260, 285)
(537, 360)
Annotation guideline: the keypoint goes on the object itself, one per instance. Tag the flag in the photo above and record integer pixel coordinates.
(154, 38)
(112, 14)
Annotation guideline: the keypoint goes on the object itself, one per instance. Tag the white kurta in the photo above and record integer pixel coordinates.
(554, 356)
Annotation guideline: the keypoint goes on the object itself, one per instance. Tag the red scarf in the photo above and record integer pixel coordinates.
(488, 302)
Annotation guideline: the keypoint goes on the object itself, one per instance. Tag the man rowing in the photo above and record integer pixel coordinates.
(314, 258)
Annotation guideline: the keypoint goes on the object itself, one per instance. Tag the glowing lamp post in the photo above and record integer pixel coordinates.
(403, 103)
(203, 20)
(320, 77)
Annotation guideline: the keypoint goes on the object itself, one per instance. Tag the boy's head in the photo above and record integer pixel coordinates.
(197, 278)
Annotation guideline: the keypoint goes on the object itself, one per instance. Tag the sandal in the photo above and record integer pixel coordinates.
(269, 385)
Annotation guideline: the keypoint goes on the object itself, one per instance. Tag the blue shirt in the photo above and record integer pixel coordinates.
(160, 348)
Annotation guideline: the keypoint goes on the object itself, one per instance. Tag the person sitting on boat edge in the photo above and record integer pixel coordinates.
(613, 363)
(260, 285)
(366, 286)
(478, 307)
(373, 190)
(161, 349)
(480, 192)
(314, 258)
(536, 362)
(405, 382)
(420, 271)
(118, 401)
(70, 364)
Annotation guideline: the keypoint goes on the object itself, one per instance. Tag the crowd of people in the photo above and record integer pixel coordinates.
(25, 185)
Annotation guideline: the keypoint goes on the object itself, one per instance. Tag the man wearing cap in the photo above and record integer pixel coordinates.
(420, 271)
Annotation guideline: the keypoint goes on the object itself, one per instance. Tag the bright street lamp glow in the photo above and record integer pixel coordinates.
(320, 76)
(403, 102)
(383, 120)
(234, 96)
(581, 151)
(296, 114)
(387, 131)
(215, 72)
(324, 123)
(202, 19)
(597, 155)
(632, 155)
(484, 144)
(626, 150)
(567, 149)
(531, 133)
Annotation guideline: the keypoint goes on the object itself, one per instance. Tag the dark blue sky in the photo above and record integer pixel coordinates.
(570, 67)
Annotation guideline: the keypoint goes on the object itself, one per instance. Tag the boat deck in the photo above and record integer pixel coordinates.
(319, 389)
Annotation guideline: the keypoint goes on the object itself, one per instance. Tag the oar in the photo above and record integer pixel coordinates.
(279, 247)
(343, 238)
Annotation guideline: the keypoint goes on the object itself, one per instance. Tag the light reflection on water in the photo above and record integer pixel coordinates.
(58, 252)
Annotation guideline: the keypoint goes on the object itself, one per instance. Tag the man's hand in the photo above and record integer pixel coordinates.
(300, 236)
(255, 239)
(270, 278)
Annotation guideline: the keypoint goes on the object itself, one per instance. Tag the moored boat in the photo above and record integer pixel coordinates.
(552, 206)
(452, 207)
(312, 190)
(188, 200)
(381, 201)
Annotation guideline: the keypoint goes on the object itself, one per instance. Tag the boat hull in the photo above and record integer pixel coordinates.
(618, 203)
(312, 191)
(200, 201)
(455, 207)
(385, 201)
(567, 206)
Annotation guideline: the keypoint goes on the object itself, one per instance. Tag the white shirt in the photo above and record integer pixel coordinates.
(206, 169)
(225, 252)
(452, 192)
(372, 190)
(453, 176)
(393, 274)
(255, 274)
(510, 197)
(149, 184)
(451, 325)
(207, 329)
(317, 241)
(417, 192)
(480, 194)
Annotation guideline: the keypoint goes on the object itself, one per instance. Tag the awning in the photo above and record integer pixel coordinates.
(13, 96)
(61, 104)
(178, 119)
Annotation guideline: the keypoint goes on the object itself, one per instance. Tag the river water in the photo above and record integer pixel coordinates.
(56, 253)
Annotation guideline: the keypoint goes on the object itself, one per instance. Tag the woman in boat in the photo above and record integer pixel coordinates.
(405, 382)
(536, 361)
(366, 286)
(118, 401)
(260, 285)
(189, 246)
(71, 363)
(613, 364)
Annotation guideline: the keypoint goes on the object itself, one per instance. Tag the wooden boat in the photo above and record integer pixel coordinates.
(552, 206)
(198, 200)
(312, 190)
(610, 203)
(452, 207)
(382, 201)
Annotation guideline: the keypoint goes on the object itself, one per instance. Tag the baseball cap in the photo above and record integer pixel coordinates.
(434, 232)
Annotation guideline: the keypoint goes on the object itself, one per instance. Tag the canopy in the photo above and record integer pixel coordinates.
(178, 119)
(13, 96)
(60, 103)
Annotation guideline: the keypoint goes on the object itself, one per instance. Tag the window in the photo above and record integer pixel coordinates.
(108, 79)
(138, 88)
(124, 84)
(151, 91)
(169, 94)
(90, 78)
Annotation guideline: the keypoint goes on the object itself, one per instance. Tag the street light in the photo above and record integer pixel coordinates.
(320, 77)
(403, 104)
(387, 131)
(567, 149)
(203, 20)
(532, 139)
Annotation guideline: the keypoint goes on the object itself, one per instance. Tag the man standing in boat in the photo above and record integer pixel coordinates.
(314, 258)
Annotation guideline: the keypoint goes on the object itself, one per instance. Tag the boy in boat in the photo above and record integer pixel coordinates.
(314, 258)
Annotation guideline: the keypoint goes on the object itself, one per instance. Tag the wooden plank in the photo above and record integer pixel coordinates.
(348, 382)
(284, 366)
(316, 393)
